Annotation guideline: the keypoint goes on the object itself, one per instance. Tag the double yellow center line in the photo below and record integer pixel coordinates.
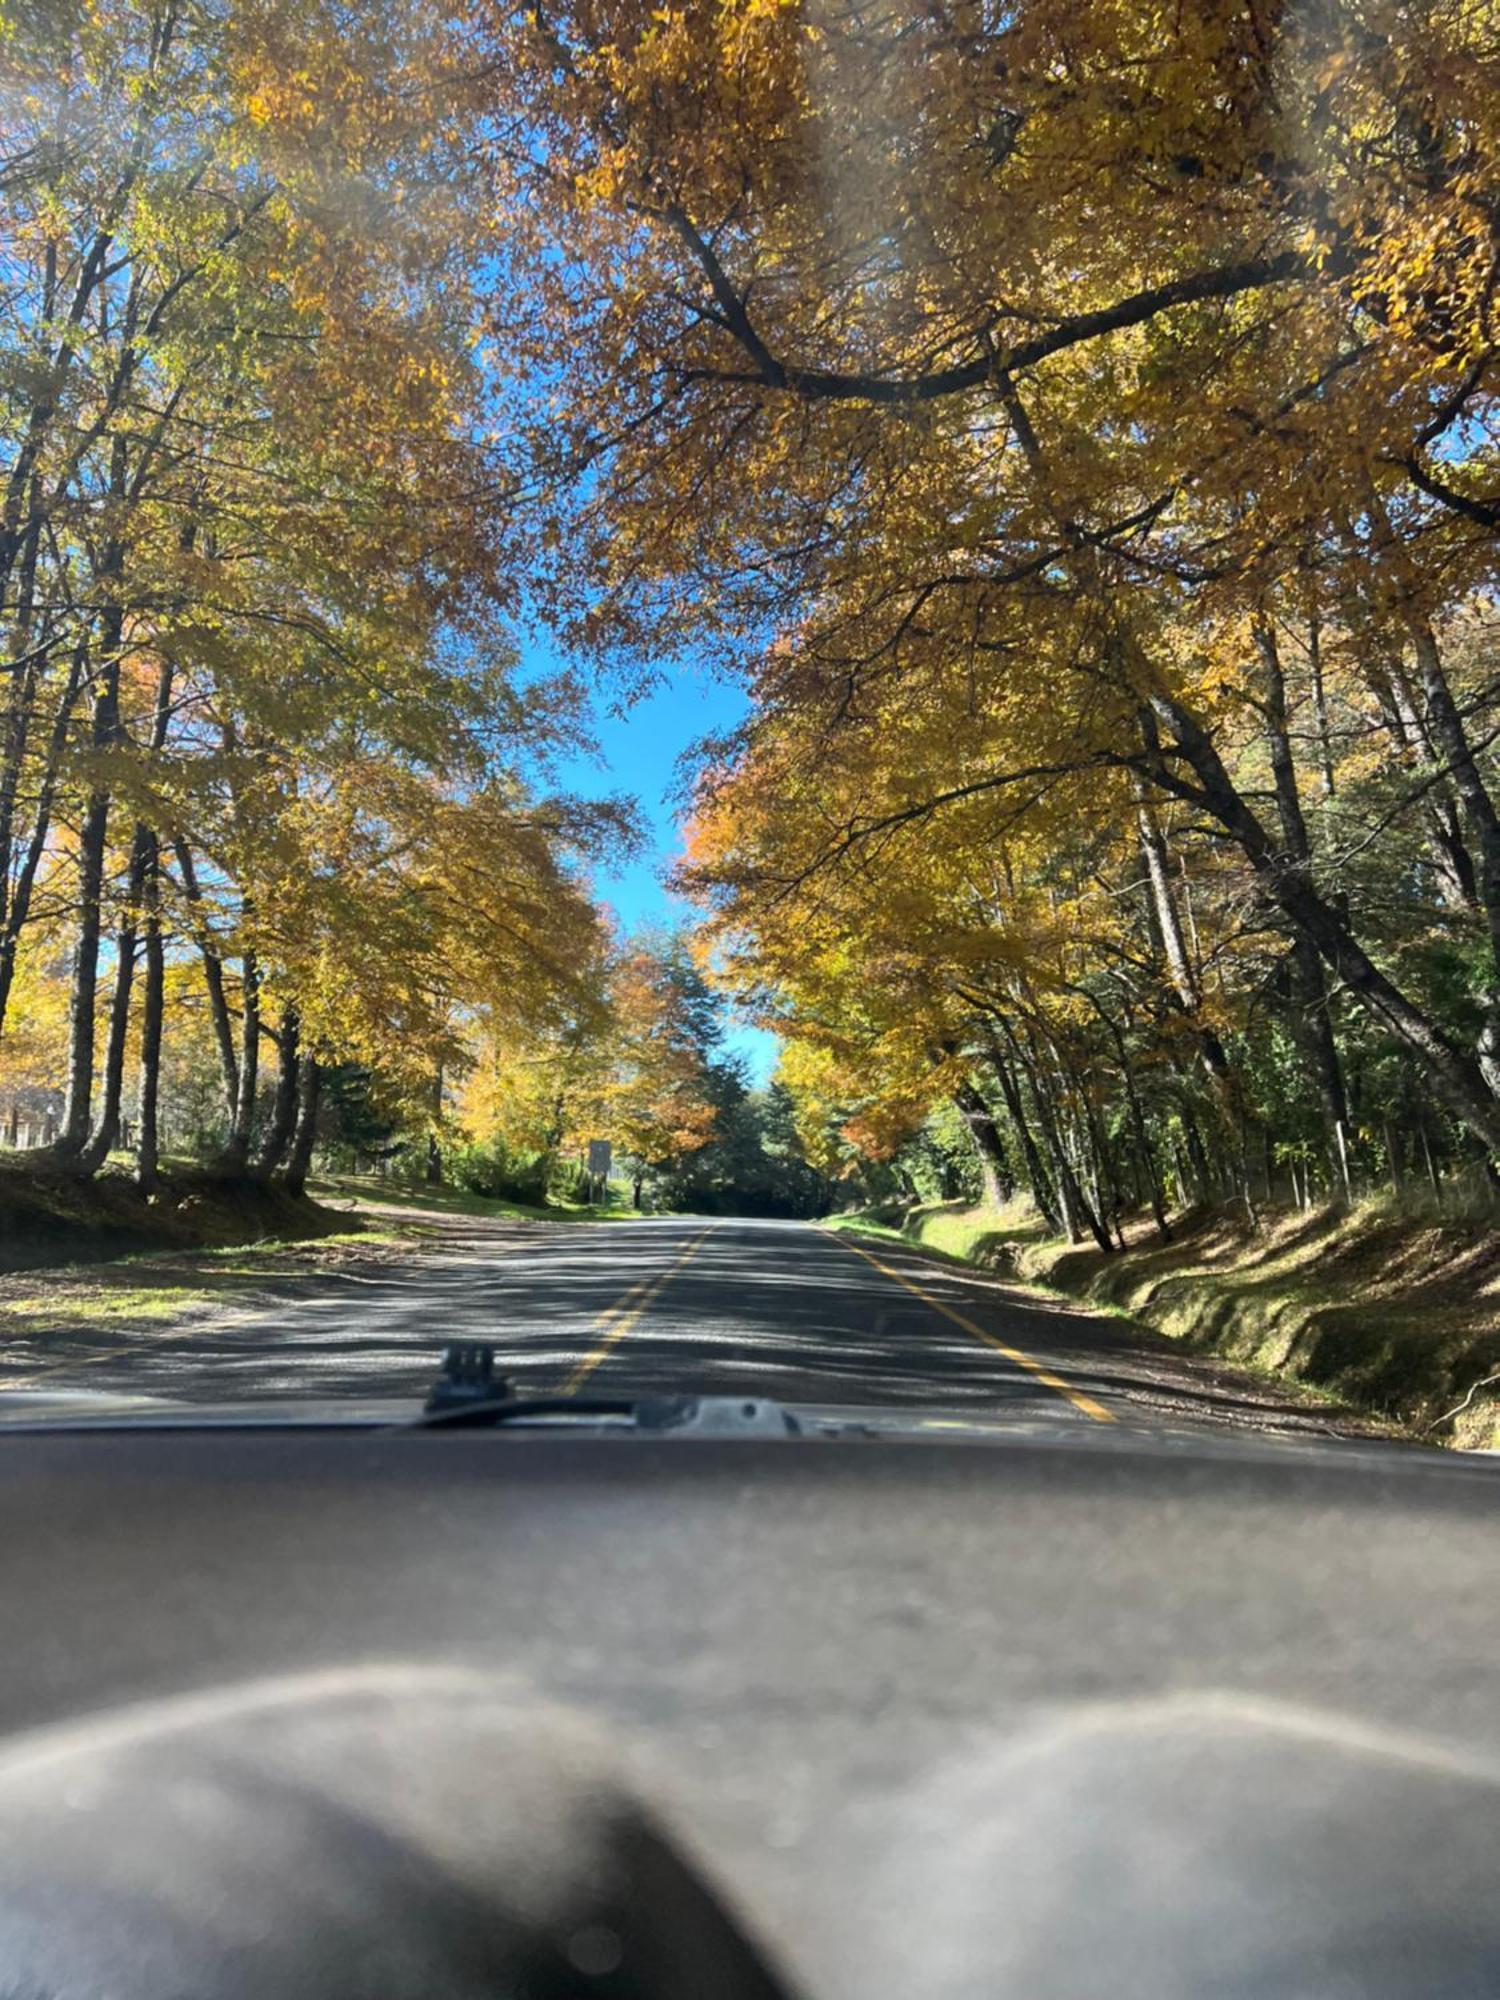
(624, 1313)
(1076, 1397)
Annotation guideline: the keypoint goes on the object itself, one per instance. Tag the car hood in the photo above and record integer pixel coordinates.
(24, 1410)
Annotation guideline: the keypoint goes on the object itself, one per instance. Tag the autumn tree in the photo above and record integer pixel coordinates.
(1000, 389)
(260, 707)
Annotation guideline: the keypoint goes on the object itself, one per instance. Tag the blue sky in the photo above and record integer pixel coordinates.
(639, 753)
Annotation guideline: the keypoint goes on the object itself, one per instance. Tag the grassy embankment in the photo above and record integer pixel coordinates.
(99, 1254)
(1392, 1312)
(50, 1219)
(417, 1197)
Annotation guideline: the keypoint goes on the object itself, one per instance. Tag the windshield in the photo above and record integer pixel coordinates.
(785, 700)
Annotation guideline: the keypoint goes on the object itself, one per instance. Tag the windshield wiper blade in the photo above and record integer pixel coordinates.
(507, 1409)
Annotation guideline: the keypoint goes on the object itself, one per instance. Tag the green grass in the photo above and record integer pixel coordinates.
(271, 1246)
(445, 1200)
(117, 1305)
(987, 1239)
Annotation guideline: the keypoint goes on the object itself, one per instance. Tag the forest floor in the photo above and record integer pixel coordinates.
(1389, 1312)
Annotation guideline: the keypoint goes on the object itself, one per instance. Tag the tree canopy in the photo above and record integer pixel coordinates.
(1076, 427)
(1078, 424)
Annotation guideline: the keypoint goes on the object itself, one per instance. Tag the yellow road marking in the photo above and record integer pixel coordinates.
(624, 1314)
(1065, 1389)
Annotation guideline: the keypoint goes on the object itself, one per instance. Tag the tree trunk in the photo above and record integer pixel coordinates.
(309, 1082)
(106, 1132)
(144, 850)
(213, 981)
(1036, 1172)
(989, 1147)
(19, 906)
(1200, 1174)
(1453, 1073)
(92, 839)
(1446, 723)
(1393, 1159)
(1168, 925)
(283, 1126)
(1319, 700)
(434, 1175)
(1167, 922)
(152, 1010)
(1452, 863)
(20, 714)
(235, 1157)
(1077, 1212)
(1138, 1126)
(1311, 1022)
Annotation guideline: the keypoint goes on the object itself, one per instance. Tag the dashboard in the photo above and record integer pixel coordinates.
(334, 1711)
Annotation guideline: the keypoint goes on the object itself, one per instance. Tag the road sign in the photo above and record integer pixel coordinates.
(600, 1155)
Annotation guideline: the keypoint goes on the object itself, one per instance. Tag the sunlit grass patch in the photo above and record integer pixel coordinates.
(67, 1308)
(443, 1199)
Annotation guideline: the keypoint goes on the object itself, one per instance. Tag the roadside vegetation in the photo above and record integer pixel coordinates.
(1383, 1310)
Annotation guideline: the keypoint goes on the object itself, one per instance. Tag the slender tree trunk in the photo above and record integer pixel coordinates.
(152, 1013)
(1108, 1201)
(309, 1084)
(434, 1173)
(1036, 1173)
(143, 852)
(1311, 1021)
(1434, 1178)
(1319, 700)
(213, 980)
(19, 906)
(1452, 863)
(236, 1154)
(283, 1126)
(989, 1147)
(80, 1084)
(93, 837)
(1393, 1157)
(20, 713)
(106, 1132)
(1077, 1211)
(1200, 1173)
(1447, 725)
(1452, 1072)
(1168, 925)
(1138, 1125)
(92, 840)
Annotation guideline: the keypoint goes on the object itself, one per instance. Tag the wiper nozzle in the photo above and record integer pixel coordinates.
(467, 1380)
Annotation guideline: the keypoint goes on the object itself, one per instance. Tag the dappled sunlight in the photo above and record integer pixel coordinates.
(669, 1304)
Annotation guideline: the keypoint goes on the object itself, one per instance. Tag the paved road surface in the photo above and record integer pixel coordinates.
(774, 1308)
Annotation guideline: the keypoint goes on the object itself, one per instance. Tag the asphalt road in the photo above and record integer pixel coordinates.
(788, 1310)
